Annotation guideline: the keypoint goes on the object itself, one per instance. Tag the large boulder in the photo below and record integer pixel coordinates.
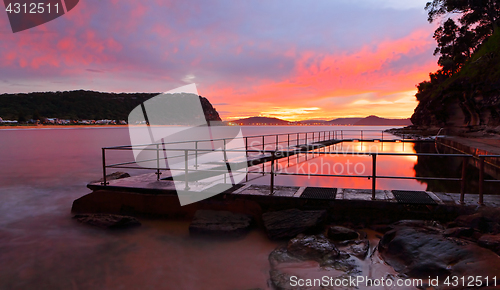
(307, 257)
(219, 223)
(420, 253)
(312, 247)
(108, 221)
(289, 223)
(474, 221)
(338, 233)
(358, 248)
(459, 232)
(491, 242)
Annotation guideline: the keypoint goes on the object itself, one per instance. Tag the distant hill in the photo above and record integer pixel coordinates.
(312, 122)
(260, 121)
(80, 105)
(344, 121)
(367, 121)
(377, 121)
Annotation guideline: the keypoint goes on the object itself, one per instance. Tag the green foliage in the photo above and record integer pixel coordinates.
(478, 78)
(469, 61)
(478, 19)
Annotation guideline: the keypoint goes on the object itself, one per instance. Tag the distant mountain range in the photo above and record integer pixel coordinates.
(260, 121)
(367, 121)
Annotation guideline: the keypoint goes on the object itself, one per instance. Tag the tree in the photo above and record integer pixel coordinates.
(456, 43)
(36, 116)
(21, 117)
(479, 13)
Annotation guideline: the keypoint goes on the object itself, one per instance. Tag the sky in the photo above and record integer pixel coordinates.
(287, 59)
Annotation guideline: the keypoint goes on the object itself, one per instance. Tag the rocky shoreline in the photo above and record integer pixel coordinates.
(422, 133)
(313, 246)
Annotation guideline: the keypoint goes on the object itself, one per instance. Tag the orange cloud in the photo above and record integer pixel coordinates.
(317, 76)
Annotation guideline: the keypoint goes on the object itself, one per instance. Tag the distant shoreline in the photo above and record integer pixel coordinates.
(3, 127)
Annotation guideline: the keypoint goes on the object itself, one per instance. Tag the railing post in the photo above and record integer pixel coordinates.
(313, 146)
(462, 181)
(186, 170)
(277, 142)
(246, 152)
(361, 135)
(272, 174)
(288, 149)
(225, 156)
(374, 174)
(104, 182)
(298, 137)
(263, 163)
(196, 154)
(481, 179)
(342, 134)
(382, 135)
(158, 162)
(246, 146)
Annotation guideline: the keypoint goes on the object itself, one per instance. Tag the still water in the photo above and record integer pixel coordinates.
(43, 170)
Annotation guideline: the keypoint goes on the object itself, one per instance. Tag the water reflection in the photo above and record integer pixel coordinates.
(448, 167)
(359, 167)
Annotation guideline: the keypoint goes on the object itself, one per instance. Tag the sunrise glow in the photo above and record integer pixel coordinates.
(324, 60)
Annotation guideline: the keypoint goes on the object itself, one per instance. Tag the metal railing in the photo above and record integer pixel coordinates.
(277, 152)
(262, 142)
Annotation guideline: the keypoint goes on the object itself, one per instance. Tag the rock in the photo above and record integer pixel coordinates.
(108, 221)
(219, 223)
(337, 233)
(426, 224)
(359, 248)
(459, 232)
(475, 221)
(289, 223)
(490, 213)
(282, 281)
(382, 228)
(491, 242)
(113, 176)
(317, 248)
(492, 216)
(281, 255)
(420, 253)
(307, 255)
